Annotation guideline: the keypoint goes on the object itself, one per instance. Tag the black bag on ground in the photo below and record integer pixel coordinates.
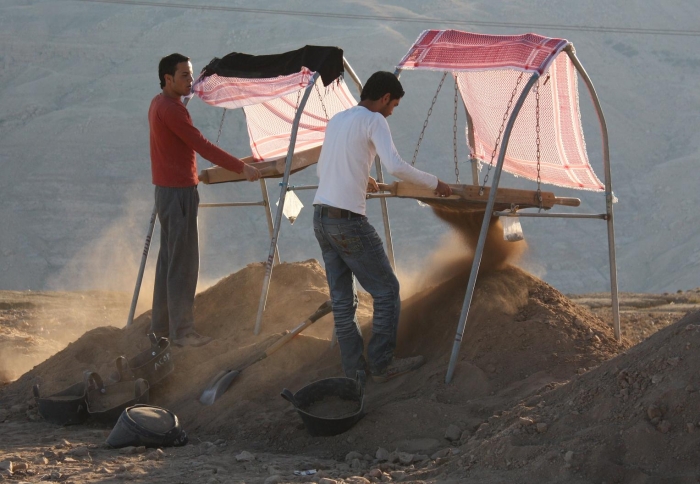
(149, 426)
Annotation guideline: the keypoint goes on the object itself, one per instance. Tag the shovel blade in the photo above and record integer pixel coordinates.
(218, 387)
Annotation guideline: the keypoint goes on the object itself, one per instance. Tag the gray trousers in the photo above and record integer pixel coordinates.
(177, 268)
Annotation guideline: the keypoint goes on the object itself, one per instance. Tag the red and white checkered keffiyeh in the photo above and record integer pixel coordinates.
(270, 106)
(487, 68)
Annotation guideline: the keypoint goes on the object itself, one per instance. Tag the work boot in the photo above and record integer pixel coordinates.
(397, 367)
(193, 339)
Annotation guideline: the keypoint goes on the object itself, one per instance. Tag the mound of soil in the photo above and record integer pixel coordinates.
(633, 419)
(521, 334)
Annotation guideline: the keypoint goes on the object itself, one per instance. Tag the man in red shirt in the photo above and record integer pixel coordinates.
(174, 141)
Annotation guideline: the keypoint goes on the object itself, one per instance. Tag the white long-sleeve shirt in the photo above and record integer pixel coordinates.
(353, 138)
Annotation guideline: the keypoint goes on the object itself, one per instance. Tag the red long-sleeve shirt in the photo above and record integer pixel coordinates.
(174, 141)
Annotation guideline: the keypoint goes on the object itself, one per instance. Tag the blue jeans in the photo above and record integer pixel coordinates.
(352, 249)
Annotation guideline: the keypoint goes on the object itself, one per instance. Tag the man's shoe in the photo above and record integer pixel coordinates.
(193, 339)
(398, 367)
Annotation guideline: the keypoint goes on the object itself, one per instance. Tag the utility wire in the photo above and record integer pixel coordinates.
(511, 25)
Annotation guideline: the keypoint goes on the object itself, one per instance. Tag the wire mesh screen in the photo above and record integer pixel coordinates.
(563, 158)
(270, 122)
(487, 68)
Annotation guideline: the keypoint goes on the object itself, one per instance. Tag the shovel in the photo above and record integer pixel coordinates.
(220, 383)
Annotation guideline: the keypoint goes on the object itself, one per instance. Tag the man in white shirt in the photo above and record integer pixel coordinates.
(351, 246)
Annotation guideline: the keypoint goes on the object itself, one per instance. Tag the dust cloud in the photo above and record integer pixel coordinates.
(454, 256)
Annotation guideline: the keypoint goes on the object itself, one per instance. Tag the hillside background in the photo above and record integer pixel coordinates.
(77, 78)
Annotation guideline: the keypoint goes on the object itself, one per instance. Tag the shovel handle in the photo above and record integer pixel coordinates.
(322, 310)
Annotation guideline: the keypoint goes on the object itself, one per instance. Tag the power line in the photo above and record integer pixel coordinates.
(292, 13)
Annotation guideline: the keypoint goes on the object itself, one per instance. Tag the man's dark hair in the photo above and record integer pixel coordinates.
(168, 65)
(381, 83)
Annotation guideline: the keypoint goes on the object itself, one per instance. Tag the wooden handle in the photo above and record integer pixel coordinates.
(569, 202)
(391, 188)
(269, 171)
(324, 309)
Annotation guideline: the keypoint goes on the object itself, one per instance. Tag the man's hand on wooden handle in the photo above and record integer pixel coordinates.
(372, 186)
(251, 173)
(443, 189)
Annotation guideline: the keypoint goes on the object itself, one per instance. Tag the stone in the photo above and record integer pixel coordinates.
(352, 456)
(276, 479)
(356, 480)
(464, 436)
(382, 454)
(327, 480)
(155, 454)
(375, 473)
(40, 459)
(79, 452)
(441, 454)
(691, 427)
(420, 457)
(6, 465)
(356, 465)
(405, 458)
(653, 411)
(525, 421)
(569, 456)
(664, 426)
(542, 428)
(393, 457)
(19, 466)
(127, 450)
(398, 475)
(453, 433)
(3, 414)
(245, 456)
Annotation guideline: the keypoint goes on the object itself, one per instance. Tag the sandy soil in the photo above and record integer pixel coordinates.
(542, 391)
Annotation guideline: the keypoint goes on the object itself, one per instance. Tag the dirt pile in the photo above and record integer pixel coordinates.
(522, 334)
(633, 419)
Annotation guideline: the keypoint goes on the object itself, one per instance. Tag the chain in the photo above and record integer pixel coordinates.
(322, 104)
(425, 123)
(500, 132)
(221, 126)
(454, 132)
(537, 141)
(296, 107)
